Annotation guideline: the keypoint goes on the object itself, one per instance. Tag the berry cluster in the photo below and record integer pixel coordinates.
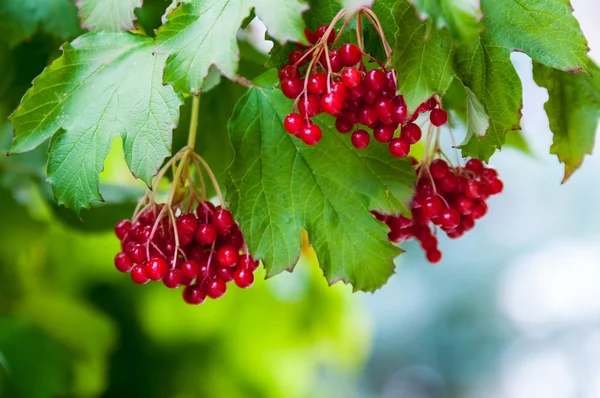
(363, 101)
(451, 198)
(202, 250)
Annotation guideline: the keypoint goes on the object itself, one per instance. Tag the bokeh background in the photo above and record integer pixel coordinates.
(513, 310)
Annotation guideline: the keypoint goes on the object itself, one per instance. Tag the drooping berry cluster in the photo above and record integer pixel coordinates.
(364, 102)
(210, 251)
(451, 198)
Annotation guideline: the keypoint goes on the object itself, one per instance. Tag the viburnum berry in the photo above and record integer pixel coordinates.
(293, 123)
(291, 87)
(244, 278)
(375, 80)
(317, 83)
(360, 139)
(411, 133)
(399, 147)
(448, 199)
(351, 78)
(350, 54)
(438, 117)
(311, 134)
(186, 241)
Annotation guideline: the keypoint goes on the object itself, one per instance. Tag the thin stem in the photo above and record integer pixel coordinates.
(194, 122)
(359, 31)
(212, 177)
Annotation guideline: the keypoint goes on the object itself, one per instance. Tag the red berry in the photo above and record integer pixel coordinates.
(193, 294)
(216, 288)
(321, 30)
(367, 115)
(293, 123)
(288, 71)
(464, 205)
(450, 218)
(309, 105)
(123, 262)
(310, 36)
(138, 275)
(383, 133)
(432, 206)
(292, 87)
(360, 139)
(317, 83)
(331, 103)
(472, 189)
(247, 262)
(205, 211)
(351, 77)
(225, 273)
(227, 256)
(411, 133)
(222, 220)
(488, 175)
(438, 169)
(244, 278)
(156, 268)
(434, 256)
(136, 252)
(148, 216)
(447, 183)
(343, 125)
(356, 92)
(474, 165)
(311, 134)
(350, 54)
(400, 111)
(496, 186)
(173, 279)
(384, 108)
(479, 210)
(375, 80)
(206, 234)
(186, 224)
(467, 223)
(438, 117)
(295, 57)
(399, 147)
(122, 228)
(369, 97)
(190, 269)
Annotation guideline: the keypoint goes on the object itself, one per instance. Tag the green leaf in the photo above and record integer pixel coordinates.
(488, 72)
(105, 85)
(278, 186)
(202, 33)
(573, 110)
(477, 120)
(422, 57)
(108, 15)
(546, 30)
(463, 17)
(20, 19)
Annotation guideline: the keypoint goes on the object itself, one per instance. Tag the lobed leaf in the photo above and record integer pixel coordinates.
(278, 186)
(202, 33)
(573, 110)
(105, 85)
(422, 57)
(463, 17)
(108, 15)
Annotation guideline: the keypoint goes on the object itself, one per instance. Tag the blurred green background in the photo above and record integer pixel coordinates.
(513, 310)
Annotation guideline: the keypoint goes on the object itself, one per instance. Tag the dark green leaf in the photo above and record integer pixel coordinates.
(108, 15)
(106, 85)
(487, 71)
(202, 33)
(20, 19)
(573, 110)
(279, 186)
(422, 57)
(463, 17)
(546, 30)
